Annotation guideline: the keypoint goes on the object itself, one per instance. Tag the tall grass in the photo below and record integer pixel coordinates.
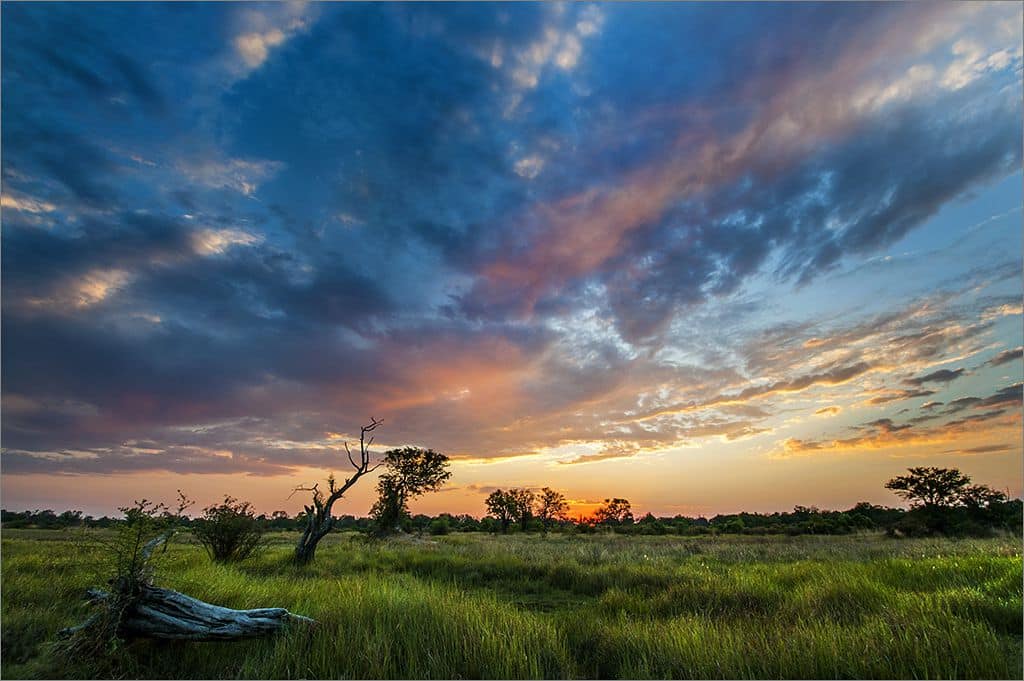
(473, 606)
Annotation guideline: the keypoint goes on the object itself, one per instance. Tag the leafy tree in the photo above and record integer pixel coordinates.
(500, 507)
(930, 487)
(551, 507)
(981, 497)
(229, 531)
(522, 505)
(987, 507)
(411, 472)
(943, 500)
(614, 512)
(515, 505)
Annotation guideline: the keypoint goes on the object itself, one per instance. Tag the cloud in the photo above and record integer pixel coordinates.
(984, 449)
(556, 46)
(254, 47)
(241, 175)
(884, 435)
(1007, 397)
(215, 241)
(940, 376)
(192, 460)
(885, 426)
(892, 396)
(269, 27)
(768, 192)
(832, 376)
(1005, 357)
(991, 417)
(26, 204)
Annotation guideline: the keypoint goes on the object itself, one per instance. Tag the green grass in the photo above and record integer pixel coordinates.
(475, 606)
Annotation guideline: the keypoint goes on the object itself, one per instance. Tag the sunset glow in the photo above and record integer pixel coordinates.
(708, 258)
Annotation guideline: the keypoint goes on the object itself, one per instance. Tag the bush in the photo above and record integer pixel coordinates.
(439, 526)
(229, 531)
(911, 525)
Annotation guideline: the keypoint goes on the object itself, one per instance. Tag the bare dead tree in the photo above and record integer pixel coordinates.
(319, 520)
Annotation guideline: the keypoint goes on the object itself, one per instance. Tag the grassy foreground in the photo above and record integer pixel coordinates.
(477, 606)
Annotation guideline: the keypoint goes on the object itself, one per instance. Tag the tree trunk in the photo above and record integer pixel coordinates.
(320, 524)
(165, 614)
(305, 552)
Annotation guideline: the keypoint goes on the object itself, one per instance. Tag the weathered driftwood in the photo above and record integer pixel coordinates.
(146, 611)
(167, 614)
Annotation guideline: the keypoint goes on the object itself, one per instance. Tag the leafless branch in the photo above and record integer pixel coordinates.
(320, 519)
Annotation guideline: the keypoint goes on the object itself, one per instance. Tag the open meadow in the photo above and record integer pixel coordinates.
(528, 606)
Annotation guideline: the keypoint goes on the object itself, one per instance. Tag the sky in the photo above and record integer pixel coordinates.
(706, 257)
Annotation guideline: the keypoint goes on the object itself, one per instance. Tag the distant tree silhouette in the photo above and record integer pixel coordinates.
(502, 507)
(522, 506)
(411, 472)
(551, 507)
(981, 496)
(614, 512)
(513, 506)
(943, 500)
(930, 487)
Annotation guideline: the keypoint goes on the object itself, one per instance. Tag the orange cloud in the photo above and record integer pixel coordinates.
(833, 376)
(883, 435)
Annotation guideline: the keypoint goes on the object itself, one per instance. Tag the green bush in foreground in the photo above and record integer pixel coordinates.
(230, 531)
(474, 606)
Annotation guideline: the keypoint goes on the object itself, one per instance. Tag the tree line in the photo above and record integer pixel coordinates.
(942, 501)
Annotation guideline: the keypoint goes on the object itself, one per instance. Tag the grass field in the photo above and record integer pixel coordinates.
(476, 606)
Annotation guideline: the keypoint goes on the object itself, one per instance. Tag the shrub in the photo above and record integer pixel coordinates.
(439, 526)
(911, 525)
(229, 531)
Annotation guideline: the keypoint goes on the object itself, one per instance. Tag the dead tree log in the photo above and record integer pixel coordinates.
(166, 614)
(134, 608)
